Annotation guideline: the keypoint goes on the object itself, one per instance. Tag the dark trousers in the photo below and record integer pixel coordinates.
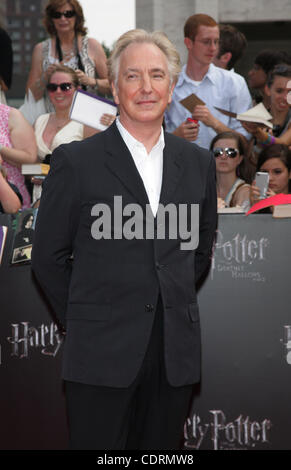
(148, 415)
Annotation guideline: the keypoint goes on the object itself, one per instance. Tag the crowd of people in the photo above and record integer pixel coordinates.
(69, 60)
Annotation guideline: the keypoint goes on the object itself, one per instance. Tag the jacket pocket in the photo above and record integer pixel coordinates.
(193, 311)
(89, 312)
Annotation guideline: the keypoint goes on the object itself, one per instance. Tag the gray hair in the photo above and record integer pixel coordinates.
(140, 36)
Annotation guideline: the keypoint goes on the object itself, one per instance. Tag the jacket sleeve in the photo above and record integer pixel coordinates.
(207, 223)
(56, 226)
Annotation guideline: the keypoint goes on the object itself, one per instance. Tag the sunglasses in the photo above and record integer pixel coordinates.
(67, 14)
(52, 87)
(228, 151)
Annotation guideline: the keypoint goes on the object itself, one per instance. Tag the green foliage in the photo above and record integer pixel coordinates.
(106, 49)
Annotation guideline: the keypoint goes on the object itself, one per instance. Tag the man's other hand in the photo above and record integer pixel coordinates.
(188, 130)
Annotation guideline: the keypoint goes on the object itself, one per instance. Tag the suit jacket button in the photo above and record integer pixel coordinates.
(160, 266)
(149, 308)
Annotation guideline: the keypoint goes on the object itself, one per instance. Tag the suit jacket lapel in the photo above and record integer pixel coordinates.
(121, 163)
(172, 171)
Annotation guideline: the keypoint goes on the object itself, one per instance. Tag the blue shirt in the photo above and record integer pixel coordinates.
(219, 87)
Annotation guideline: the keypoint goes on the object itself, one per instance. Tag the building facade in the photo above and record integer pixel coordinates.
(266, 24)
(22, 20)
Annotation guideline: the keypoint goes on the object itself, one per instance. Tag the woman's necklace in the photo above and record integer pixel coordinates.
(68, 54)
(60, 124)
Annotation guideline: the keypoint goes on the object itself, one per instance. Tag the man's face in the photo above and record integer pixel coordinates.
(143, 88)
(218, 61)
(204, 47)
(257, 77)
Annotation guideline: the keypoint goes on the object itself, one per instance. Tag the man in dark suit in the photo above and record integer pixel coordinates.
(128, 299)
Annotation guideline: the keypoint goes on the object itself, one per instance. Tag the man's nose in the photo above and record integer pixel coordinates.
(147, 84)
(214, 46)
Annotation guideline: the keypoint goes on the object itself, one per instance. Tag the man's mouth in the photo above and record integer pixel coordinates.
(146, 103)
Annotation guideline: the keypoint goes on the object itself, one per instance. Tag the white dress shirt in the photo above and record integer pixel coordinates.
(149, 165)
(219, 87)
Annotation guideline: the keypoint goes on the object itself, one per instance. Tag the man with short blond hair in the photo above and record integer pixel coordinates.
(128, 303)
(214, 86)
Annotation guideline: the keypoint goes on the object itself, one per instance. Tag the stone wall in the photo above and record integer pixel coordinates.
(170, 16)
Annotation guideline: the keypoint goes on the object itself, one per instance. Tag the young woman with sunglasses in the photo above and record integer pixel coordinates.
(69, 45)
(232, 190)
(54, 129)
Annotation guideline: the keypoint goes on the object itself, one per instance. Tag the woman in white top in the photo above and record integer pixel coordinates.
(232, 190)
(54, 129)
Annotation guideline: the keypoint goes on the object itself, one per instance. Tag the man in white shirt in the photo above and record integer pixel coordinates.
(214, 86)
(128, 299)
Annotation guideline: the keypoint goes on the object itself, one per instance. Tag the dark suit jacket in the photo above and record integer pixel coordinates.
(106, 297)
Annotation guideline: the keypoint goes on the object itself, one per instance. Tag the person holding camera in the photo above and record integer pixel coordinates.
(276, 161)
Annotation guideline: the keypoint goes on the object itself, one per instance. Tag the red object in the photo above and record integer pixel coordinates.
(192, 120)
(276, 200)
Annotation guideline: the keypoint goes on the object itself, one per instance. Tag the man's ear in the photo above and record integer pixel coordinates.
(188, 43)
(114, 93)
(171, 91)
(225, 58)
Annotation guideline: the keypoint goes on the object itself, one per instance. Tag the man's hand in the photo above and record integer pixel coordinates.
(202, 113)
(187, 130)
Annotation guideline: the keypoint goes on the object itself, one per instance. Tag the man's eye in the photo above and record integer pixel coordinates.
(132, 76)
